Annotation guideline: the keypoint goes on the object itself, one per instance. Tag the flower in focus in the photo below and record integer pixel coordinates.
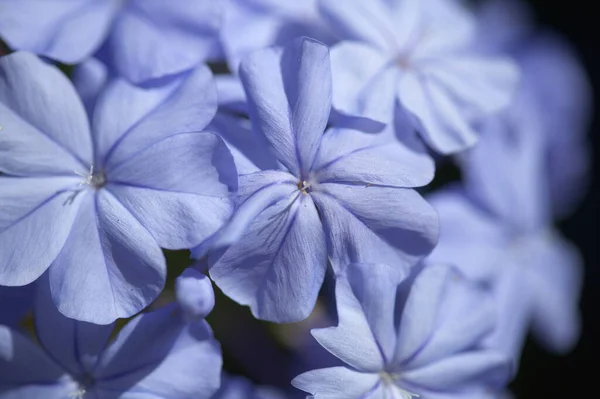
(338, 193)
(405, 341)
(94, 204)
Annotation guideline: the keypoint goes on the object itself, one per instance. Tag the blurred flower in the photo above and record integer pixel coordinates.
(416, 52)
(141, 40)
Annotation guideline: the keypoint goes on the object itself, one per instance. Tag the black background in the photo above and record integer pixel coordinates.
(576, 375)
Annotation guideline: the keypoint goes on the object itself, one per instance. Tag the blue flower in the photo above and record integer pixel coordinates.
(94, 204)
(314, 193)
(563, 107)
(140, 39)
(159, 354)
(421, 338)
(498, 229)
(415, 52)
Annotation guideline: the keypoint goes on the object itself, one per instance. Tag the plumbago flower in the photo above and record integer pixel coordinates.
(140, 39)
(564, 108)
(408, 340)
(167, 353)
(504, 212)
(415, 52)
(250, 25)
(340, 193)
(94, 204)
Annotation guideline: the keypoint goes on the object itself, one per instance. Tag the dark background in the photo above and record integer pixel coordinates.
(576, 375)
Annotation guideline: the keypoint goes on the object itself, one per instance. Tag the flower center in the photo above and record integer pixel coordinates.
(93, 179)
(390, 382)
(304, 186)
(84, 382)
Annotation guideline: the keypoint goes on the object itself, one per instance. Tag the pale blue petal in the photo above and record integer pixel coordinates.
(555, 280)
(110, 266)
(348, 156)
(257, 191)
(374, 286)
(68, 31)
(470, 238)
(437, 116)
(456, 330)
(289, 95)
(151, 39)
(356, 20)
(278, 265)
(44, 103)
(128, 119)
(194, 294)
(181, 189)
(364, 82)
(336, 383)
(36, 219)
(421, 311)
(372, 224)
(456, 372)
(492, 81)
(360, 339)
(157, 354)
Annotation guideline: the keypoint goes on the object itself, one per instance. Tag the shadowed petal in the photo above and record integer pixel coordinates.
(278, 265)
(194, 293)
(73, 344)
(110, 267)
(27, 372)
(90, 78)
(157, 354)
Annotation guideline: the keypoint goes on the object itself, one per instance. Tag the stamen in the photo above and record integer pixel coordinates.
(79, 394)
(303, 186)
(390, 381)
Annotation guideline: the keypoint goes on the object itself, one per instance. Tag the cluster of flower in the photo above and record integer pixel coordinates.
(305, 159)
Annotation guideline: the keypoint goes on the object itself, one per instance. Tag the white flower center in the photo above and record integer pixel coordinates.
(390, 383)
(93, 179)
